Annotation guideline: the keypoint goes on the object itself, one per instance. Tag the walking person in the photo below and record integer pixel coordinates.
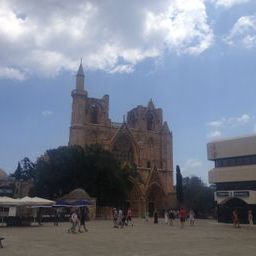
(171, 217)
(74, 222)
(115, 217)
(56, 217)
(129, 217)
(146, 216)
(155, 217)
(191, 217)
(166, 217)
(182, 216)
(250, 218)
(83, 218)
(124, 219)
(236, 221)
(120, 218)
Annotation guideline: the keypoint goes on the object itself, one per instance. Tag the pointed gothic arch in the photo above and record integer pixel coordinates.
(155, 194)
(154, 198)
(124, 147)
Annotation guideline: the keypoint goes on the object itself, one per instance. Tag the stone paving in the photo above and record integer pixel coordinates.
(206, 238)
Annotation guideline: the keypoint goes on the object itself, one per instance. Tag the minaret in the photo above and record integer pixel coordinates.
(80, 78)
(79, 96)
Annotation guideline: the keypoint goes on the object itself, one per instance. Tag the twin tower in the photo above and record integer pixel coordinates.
(143, 140)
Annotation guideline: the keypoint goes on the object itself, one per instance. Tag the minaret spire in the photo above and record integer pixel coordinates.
(80, 71)
(80, 77)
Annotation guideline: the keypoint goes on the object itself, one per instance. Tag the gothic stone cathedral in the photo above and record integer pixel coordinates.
(143, 139)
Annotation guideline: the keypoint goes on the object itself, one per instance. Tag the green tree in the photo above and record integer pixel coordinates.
(179, 186)
(25, 170)
(104, 177)
(94, 169)
(198, 196)
(17, 173)
(57, 171)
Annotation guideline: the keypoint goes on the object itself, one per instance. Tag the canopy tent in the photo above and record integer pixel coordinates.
(21, 208)
(36, 201)
(76, 198)
(73, 203)
(25, 201)
(77, 194)
(8, 201)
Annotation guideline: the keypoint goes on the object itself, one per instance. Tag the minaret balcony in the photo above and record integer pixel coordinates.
(76, 92)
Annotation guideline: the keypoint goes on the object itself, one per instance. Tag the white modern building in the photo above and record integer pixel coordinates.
(234, 175)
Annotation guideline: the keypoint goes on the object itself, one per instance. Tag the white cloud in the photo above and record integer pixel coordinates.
(244, 119)
(191, 167)
(45, 37)
(215, 124)
(243, 32)
(193, 163)
(46, 113)
(122, 69)
(11, 73)
(183, 25)
(214, 134)
(226, 124)
(229, 3)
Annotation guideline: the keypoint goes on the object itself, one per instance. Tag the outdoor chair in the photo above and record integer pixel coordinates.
(1, 245)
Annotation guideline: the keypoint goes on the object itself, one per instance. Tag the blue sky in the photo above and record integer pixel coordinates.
(196, 59)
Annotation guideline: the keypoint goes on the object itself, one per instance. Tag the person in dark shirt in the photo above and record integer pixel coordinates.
(83, 218)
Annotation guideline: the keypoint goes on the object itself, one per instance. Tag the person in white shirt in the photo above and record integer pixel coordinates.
(191, 217)
(74, 222)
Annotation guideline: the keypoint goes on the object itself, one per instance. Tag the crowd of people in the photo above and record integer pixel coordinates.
(122, 218)
(236, 218)
(182, 214)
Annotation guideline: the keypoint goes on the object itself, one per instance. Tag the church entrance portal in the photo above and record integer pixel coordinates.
(154, 200)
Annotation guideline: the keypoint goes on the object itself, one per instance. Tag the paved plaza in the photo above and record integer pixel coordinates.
(206, 238)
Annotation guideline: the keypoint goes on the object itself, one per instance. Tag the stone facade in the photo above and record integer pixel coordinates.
(143, 139)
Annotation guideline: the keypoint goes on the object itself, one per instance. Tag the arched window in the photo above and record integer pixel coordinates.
(94, 114)
(150, 121)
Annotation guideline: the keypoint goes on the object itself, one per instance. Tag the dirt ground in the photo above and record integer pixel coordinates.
(205, 238)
